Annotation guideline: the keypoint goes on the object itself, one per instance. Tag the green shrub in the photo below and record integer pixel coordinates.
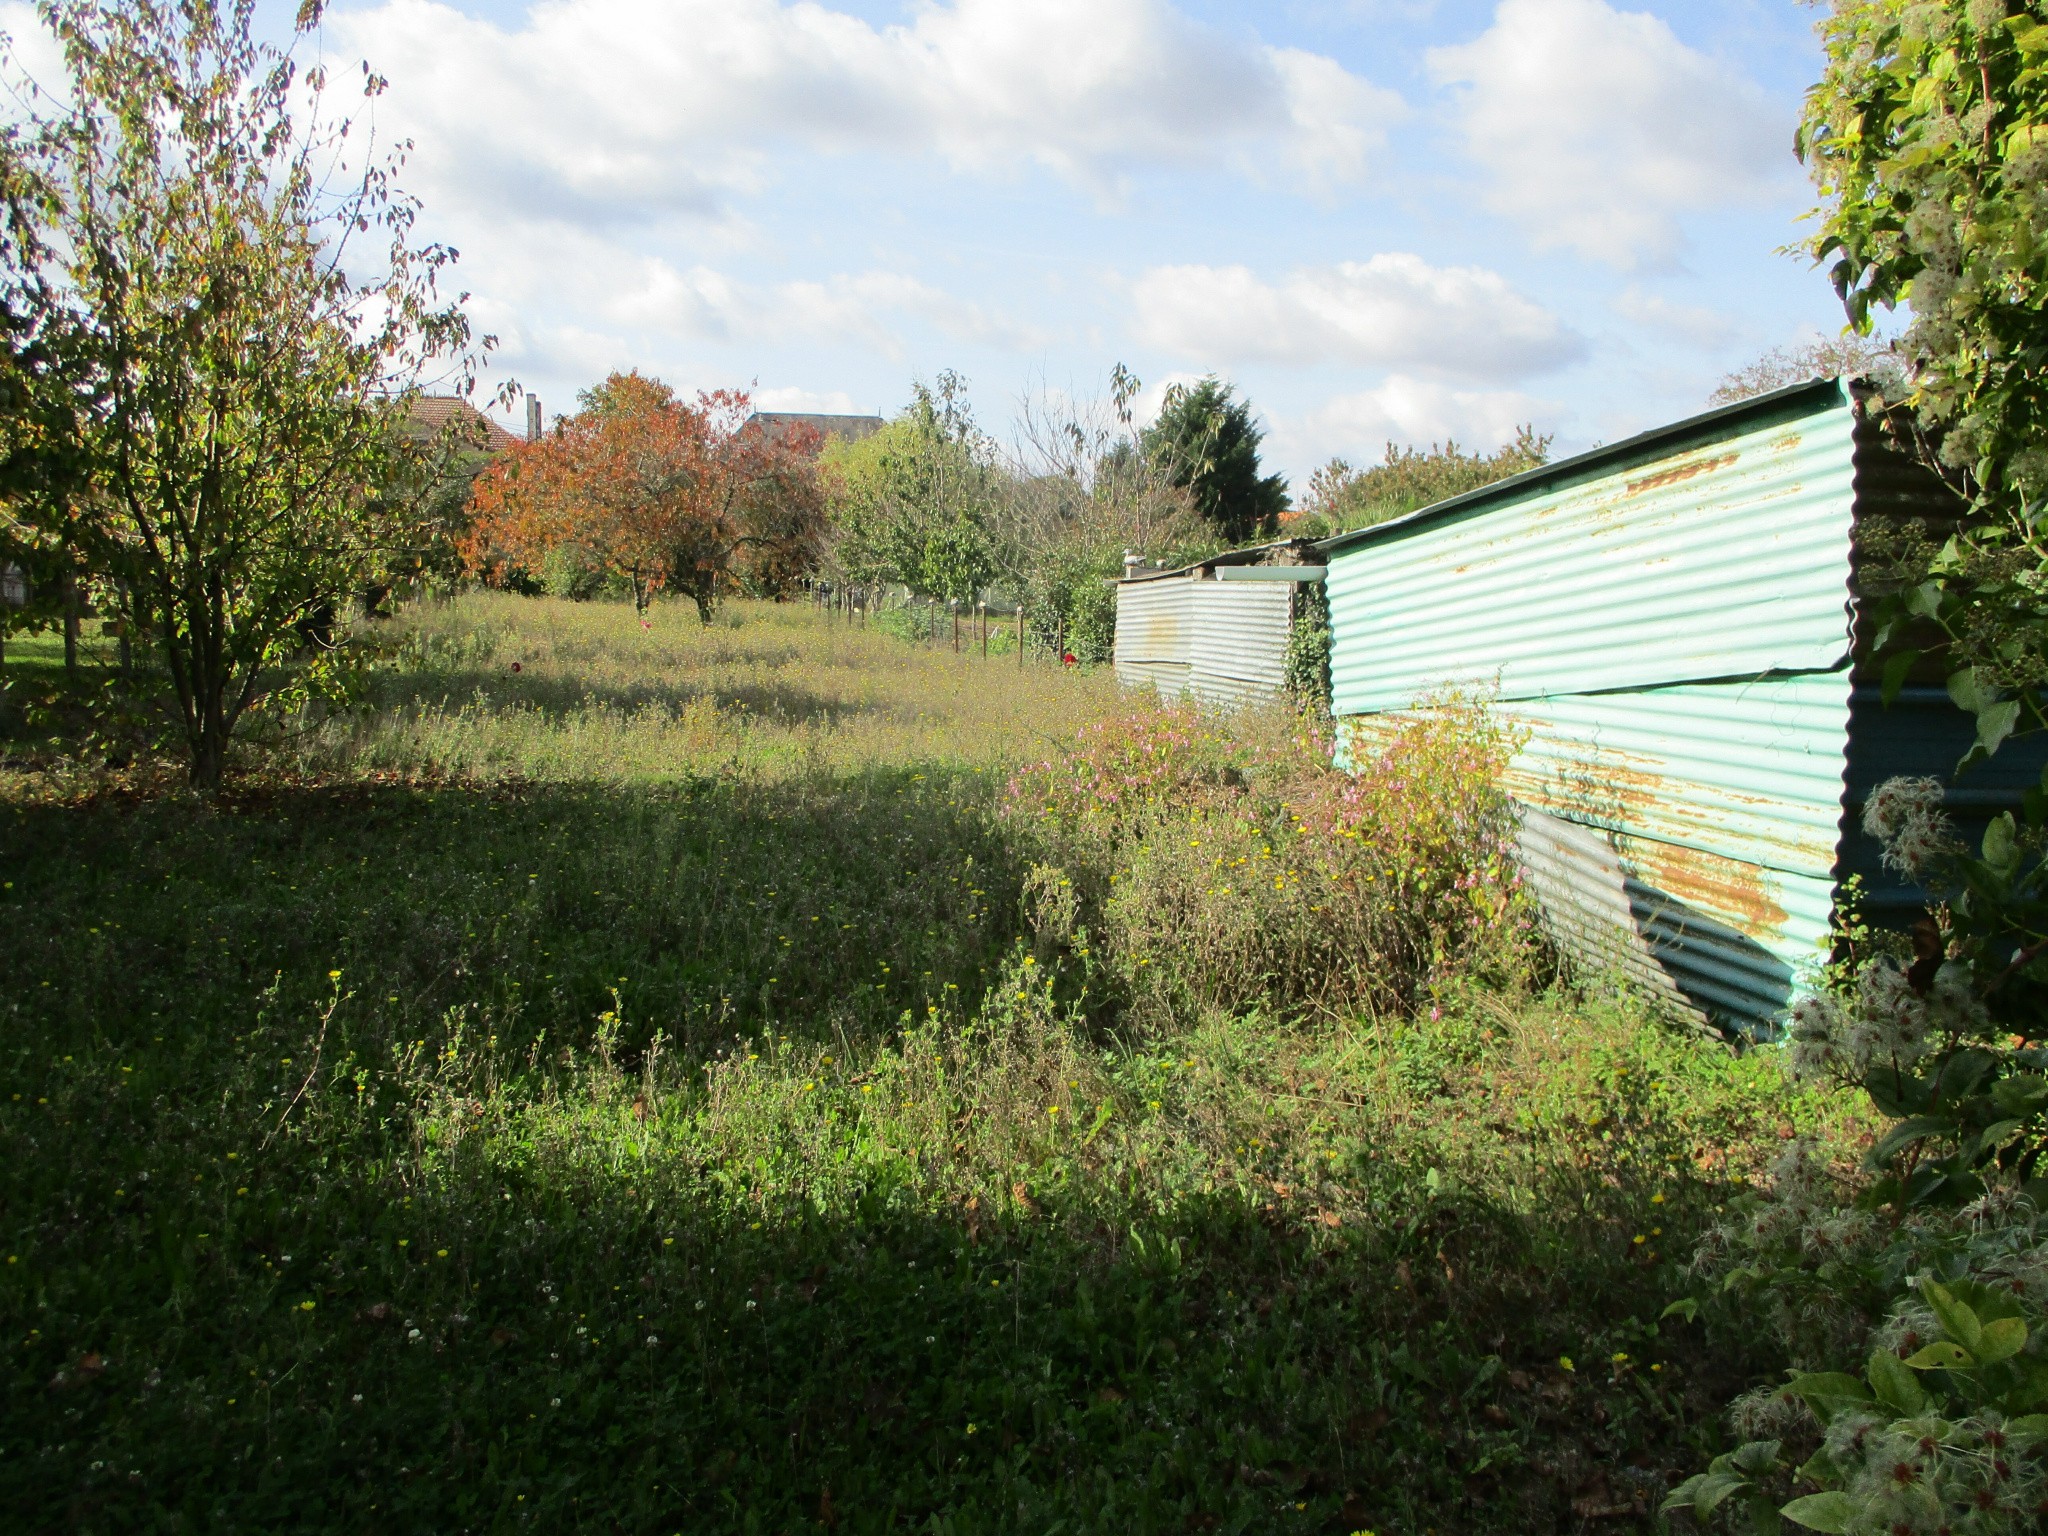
(1230, 866)
(1935, 1260)
(569, 570)
(1308, 647)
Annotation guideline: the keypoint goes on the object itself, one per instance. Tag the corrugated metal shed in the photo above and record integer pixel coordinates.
(1239, 645)
(1154, 635)
(1670, 621)
(1217, 631)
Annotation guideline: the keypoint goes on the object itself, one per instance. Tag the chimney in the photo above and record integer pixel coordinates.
(533, 418)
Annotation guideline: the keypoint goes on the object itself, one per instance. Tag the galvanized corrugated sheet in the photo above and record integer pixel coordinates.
(1748, 771)
(1220, 638)
(1154, 635)
(1670, 626)
(1728, 559)
(1686, 835)
(1239, 648)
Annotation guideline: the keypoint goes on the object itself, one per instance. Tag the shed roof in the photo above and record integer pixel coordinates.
(1281, 552)
(1787, 404)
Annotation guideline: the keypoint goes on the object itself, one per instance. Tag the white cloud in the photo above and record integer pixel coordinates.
(1596, 128)
(1393, 311)
(864, 308)
(36, 78)
(626, 108)
(1694, 324)
(835, 402)
(1407, 410)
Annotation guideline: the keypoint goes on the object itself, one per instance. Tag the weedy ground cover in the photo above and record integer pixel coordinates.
(669, 1087)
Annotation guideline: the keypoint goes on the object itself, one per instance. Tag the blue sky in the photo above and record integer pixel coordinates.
(1379, 218)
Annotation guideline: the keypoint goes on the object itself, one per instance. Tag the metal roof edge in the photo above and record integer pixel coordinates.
(1249, 554)
(1788, 404)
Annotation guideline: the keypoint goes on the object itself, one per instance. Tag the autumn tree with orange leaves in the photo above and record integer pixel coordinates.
(662, 494)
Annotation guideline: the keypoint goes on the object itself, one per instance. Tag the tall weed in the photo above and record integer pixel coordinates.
(1227, 865)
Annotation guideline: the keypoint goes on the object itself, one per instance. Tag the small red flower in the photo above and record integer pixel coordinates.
(515, 666)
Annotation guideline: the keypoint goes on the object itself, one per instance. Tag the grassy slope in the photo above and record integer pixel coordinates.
(642, 1170)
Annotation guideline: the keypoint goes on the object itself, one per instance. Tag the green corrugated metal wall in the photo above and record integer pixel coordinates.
(1669, 621)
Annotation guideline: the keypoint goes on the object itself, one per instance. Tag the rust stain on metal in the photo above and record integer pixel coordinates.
(1725, 888)
(1630, 793)
(1678, 473)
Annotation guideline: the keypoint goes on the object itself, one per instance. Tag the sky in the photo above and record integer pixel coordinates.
(1380, 220)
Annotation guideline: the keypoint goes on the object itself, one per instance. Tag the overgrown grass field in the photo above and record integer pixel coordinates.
(771, 1078)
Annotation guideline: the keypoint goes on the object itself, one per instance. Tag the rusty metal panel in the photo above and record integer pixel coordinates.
(1600, 910)
(1238, 648)
(1728, 557)
(1154, 635)
(1684, 836)
(1668, 622)
(1748, 771)
(1720, 807)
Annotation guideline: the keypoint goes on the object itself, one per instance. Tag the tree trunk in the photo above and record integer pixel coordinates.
(70, 617)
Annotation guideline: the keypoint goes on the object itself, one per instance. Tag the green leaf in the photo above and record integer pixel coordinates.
(1957, 1317)
(1895, 1385)
(1714, 1491)
(1681, 1497)
(1896, 669)
(1941, 1356)
(1988, 1141)
(1906, 1132)
(1821, 1512)
(2032, 1426)
(1756, 1457)
(1828, 1393)
(2001, 838)
(2021, 1096)
(2003, 1339)
(1820, 1468)
(1684, 1307)
(1989, 1302)
(1995, 722)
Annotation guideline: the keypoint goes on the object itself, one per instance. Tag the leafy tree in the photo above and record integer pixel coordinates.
(1927, 137)
(915, 500)
(1083, 494)
(204, 254)
(1206, 442)
(1928, 140)
(654, 492)
(1843, 357)
(1341, 498)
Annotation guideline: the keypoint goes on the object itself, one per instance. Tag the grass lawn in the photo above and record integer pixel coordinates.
(613, 1095)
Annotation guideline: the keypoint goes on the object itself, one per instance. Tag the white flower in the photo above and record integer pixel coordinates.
(1816, 1035)
(1905, 816)
(1891, 1023)
(1952, 1001)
